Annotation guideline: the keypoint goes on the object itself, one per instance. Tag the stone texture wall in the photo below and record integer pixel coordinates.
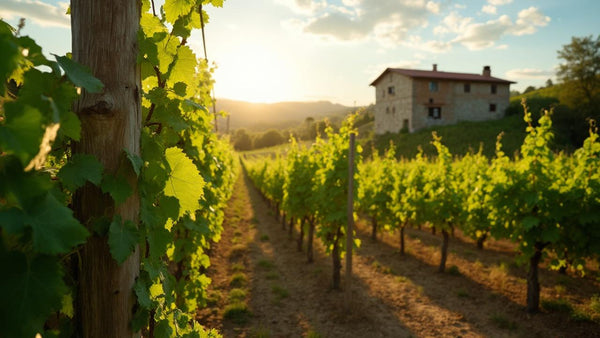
(475, 106)
(392, 109)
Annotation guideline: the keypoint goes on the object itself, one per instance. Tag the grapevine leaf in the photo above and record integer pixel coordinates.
(117, 187)
(122, 239)
(34, 288)
(80, 169)
(140, 319)
(158, 239)
(136, 161)
(9, 54)
(70, 126)
(80, 75)
(163, 329)
(185, 61)
(176, 8)
(22, 133)
(530, 222)
(180, 88)
(55, 230)
(141, 291)
(184, 181)
(12, 220)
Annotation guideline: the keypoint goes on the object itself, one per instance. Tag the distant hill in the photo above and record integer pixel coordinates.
(281, 115)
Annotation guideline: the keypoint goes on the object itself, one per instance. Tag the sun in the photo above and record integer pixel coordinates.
(254, 73)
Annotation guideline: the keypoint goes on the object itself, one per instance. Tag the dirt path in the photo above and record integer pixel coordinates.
(393, 295)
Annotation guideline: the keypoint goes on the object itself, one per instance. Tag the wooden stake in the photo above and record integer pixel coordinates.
(350, 224)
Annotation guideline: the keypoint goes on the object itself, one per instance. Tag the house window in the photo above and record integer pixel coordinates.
(387, 110)
(383, 93)
(433, 86)
(435, 113)
(391, 90)
(467, 87)
(394, 110)
(494, 89)
(492, 107)
(430, 100)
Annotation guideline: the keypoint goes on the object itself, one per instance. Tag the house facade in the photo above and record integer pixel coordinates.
(410, 99)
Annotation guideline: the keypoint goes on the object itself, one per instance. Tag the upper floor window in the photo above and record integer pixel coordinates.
(467, 88)
(433, 86)
(391, 90)
(494, 89)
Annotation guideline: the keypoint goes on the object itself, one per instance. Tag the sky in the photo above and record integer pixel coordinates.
(314, 50)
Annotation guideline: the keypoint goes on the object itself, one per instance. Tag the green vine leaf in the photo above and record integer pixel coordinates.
(34, 288)
(80, 169)
(80, 75)
(117, 186)
(184, 181)
(22, 133)
(55, 230)
(122, 239)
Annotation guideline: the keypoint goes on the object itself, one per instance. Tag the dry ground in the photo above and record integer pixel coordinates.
(393, 295)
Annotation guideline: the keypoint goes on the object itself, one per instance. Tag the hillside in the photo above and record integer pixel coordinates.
(460, 138)
(281, 115)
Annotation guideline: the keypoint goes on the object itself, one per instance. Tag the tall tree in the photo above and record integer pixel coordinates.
(581, 68)
(104, 37)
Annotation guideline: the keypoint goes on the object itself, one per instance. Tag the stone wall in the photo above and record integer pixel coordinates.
(391, 110)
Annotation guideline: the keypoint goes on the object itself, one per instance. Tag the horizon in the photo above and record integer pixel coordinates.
(331, 50)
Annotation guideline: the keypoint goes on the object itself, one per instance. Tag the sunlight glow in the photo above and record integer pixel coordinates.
(254, 73)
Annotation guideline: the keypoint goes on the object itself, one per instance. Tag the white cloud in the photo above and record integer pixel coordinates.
(304, 6)
(528, 21)
(502, 47)
(431, 46)
(387, 21)
(529, 73)
(41, 13)
(499, 2)
(489, 9)
(480, 35)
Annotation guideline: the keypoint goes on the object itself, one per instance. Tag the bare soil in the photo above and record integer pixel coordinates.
(482, 294)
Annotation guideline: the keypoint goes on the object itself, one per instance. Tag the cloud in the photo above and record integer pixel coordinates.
(528, 21)
(387, 21)
(489, 9)
(499, 2)
(431, 46)
(303, 6)
(529, 73)
(481, 35)
(41, 13)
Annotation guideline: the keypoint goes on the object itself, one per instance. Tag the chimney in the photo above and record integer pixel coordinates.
(487, 71)
(435, 67)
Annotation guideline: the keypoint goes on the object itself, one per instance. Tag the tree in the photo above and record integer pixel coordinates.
(242, 140)
(581, 67)
(549, 83)
(110, 122)
(529, 89)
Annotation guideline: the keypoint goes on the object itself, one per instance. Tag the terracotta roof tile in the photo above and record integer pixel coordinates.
(431, 74)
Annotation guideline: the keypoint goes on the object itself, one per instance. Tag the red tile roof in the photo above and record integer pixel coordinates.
(434, 74)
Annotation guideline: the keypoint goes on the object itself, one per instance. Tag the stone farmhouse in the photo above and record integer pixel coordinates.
(410, 99)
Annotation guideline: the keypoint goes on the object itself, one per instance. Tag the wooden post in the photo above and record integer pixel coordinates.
(350, 224)
(104, 38)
